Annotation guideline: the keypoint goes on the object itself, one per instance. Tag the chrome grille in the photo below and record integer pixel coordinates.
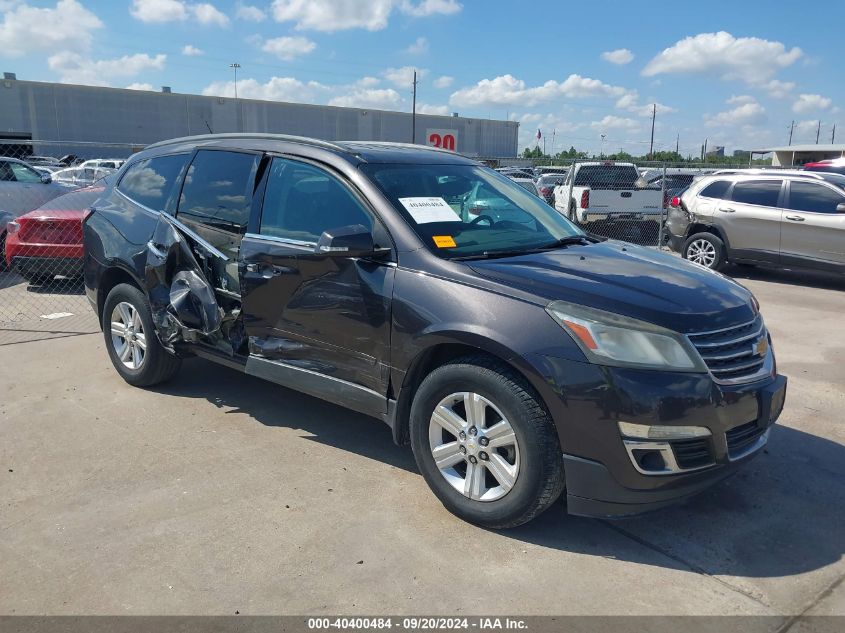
(734, 354)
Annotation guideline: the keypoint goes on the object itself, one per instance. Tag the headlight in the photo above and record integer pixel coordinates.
(619, 341)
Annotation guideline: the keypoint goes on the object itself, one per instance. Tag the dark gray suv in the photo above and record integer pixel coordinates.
(519, 356)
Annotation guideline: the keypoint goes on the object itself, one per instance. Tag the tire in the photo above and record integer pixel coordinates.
(705, 249)
(532, 461)
(152, 364)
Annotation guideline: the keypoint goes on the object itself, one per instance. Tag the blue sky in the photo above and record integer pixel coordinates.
(737, 73)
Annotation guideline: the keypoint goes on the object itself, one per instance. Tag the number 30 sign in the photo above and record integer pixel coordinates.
(445, 139)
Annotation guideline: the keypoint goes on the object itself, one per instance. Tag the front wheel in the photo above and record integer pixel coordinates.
(705, 249)
(485, 444)
(133, 346)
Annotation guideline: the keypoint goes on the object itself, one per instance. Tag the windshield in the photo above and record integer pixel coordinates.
(469, 210)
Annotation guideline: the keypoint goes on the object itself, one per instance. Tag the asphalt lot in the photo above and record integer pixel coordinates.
(219, 493)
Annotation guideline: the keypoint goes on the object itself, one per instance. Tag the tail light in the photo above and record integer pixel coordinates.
(13, 227)
(676, 201)
(585, 198)
(546, 190)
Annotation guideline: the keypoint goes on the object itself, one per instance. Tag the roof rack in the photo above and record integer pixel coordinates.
(303, 140)
(398, 145)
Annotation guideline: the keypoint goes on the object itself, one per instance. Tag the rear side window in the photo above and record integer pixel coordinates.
(807, 196)
(218, 190)
(151, 182)
(717, 189)
(760, 192)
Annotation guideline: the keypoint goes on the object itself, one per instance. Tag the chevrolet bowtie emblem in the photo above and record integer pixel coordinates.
(761, 347)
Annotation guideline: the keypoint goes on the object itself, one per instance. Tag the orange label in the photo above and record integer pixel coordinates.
(444, 241)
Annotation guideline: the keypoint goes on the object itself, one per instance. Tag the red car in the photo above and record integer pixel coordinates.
(835, 165)
(48, 241)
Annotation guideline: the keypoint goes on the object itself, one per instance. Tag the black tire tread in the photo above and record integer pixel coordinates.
(551, 455)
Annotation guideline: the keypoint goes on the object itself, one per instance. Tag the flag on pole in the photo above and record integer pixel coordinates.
(539, 135)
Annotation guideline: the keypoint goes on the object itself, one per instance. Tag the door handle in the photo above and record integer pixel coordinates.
(795, 218)
(252, 268)
(727, 209)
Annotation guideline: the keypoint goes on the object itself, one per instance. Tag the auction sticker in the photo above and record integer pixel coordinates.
(444, 241)
(427, 210)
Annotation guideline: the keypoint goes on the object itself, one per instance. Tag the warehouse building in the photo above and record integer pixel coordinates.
(797, 155)
(118, 121)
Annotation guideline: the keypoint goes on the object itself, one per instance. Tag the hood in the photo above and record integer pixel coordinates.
(630, 280)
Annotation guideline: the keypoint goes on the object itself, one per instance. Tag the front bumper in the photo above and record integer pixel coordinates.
(601, 477)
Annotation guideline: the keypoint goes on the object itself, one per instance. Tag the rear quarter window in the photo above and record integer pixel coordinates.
(717, 189)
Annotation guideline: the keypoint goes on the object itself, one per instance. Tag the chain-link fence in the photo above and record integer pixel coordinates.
(45, 190)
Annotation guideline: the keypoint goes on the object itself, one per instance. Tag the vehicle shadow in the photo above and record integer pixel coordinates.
(58, 286)
(793, 277)
(779, 516)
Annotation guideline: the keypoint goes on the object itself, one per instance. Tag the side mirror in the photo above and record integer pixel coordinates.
(840, 208)
(640, 183)
(46, 179)
(354, 240)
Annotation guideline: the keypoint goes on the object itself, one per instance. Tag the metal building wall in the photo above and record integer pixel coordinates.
(62, 112)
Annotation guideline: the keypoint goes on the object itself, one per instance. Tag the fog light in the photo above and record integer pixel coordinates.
(660, 432)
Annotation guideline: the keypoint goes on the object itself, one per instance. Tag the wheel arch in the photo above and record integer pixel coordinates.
(113, 276)
(443, 348)
(700, 227)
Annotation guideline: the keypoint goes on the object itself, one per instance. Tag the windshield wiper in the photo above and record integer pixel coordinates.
(569, 240)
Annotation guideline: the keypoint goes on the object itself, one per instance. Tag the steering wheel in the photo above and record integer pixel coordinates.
(480, 218)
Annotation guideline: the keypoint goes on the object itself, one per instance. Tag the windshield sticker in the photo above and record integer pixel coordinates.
(444, 241)
(427, 210)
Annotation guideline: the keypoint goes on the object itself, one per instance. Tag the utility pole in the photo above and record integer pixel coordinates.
(833, 134)
(818, 131)
(704, 151)
(678, 143)
(235, 67)
(653, 116)
(414, 112)
(791, 128)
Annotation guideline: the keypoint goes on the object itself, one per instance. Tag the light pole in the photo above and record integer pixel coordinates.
(235, 67)
(603, 136)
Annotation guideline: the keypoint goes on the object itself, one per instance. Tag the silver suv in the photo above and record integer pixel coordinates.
(783, 218)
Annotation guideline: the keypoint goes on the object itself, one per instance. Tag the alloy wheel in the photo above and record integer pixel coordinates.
(702, 252)
(474, 446)
(127, 335)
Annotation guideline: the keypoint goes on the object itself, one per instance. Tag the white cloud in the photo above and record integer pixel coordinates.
(276, 89)
(368, 82)
(77, 69)
(192, 51)
(777, 88)
(620, 56)
(209, 14)
(748, 112)
(339, 15)
(160, 11)
(375, 98)
(508, 90)
(288, 48)
(611, 122)
(249, 13)
(810, 103)
(424, 8)
(424, 108)
(404, 77)
(740, 99)
(67, 26)
(140, 86)
(750, 59)
(419, 47)
(334, 15)
(630, 101)
(443, 82)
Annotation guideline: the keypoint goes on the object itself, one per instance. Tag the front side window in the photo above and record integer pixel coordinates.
(469, 210)
(808, 196)
(763, 193)
(302, 201)
(24, 173)
(150, 182)
(218, 190)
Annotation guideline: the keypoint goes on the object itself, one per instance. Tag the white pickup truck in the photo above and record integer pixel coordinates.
(607, 192)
